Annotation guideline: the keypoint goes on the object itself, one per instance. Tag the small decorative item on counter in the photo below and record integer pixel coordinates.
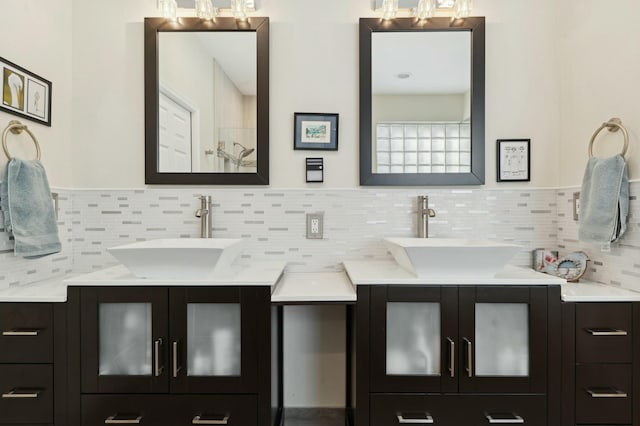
(544, 260)
(573, 266)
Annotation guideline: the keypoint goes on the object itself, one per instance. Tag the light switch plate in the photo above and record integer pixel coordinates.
(576, 206)
(315, 226)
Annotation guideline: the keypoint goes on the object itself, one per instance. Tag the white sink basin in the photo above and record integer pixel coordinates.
(448, 257)
(179, 258)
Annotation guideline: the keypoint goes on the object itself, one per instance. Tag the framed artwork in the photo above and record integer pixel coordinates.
(513, 160)
(315, 131)
(24, 93)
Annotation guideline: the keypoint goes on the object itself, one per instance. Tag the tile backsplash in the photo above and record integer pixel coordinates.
(273, 223)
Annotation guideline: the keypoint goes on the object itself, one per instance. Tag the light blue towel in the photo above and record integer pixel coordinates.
(604, 201)
(25, 200)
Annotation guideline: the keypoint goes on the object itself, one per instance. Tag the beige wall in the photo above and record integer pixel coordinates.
(417, 108)
(600, 79)
(36, 35)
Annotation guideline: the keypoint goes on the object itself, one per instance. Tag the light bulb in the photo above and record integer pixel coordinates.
(425, 9)
(389, 9)
(205, 9)
(239, 9)
(462, 8)
(169, 9)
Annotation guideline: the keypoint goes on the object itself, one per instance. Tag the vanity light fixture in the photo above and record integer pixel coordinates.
(239, 9)
(205, 9)
(462, 8)
(168, 9)
(389, 9)
(425, 9)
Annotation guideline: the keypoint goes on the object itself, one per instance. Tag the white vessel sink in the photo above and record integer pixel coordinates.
(451, 258)
(179, 258)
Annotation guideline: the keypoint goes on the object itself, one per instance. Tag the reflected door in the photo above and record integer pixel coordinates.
(503, 339)
(124, 340)
(413, 339)
(213, 341)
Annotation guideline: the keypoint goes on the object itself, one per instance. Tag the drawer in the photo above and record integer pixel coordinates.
(603, 332)
(394, 409)
(170, 410)
(603, 394)
(26, 333)
(26, 393)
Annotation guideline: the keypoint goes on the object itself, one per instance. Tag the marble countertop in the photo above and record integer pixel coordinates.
(314, 287)
(589, 291)
(389, 272)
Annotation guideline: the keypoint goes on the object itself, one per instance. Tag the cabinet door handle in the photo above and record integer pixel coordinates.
(508, 419)
(469, 367)
(21, 333)
(606, 332)
(212, 420)
(22, 393)
(114, 420)
(175, 367)
(420, 418)
(157, 346)
(606, 393)
(452, 357)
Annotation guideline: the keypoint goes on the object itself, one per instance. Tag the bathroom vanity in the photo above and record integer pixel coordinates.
(106, 348)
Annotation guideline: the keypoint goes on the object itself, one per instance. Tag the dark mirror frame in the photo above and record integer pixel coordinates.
(476, 25)
(152, 27)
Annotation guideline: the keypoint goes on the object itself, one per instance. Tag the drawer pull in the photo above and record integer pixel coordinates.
(606, 393)
(414, 418)
(452, 357)
(123, 419)
(210, 420)
(21, 333)
(22, 393)
(504, 418)
(606, 332)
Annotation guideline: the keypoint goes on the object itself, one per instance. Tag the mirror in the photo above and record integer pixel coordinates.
(422, 101)
(206, 93)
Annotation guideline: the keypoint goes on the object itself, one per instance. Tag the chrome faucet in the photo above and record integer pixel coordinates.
(204, 213)
(424, 213)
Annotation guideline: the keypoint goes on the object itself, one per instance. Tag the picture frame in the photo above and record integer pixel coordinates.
(24, 93)
(513, 160)
(315, 131)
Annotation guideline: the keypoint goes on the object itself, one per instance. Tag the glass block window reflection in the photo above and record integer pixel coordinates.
(426, 147)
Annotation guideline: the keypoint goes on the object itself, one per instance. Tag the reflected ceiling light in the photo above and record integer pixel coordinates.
(168, 9)
(205, 9)
(462, 8)
(389, 9)
(239, 9)
(425, 9)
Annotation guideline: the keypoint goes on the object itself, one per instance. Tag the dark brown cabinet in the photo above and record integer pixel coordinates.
(600, 375)
(173, 355)
(455, 354)
(30, 358)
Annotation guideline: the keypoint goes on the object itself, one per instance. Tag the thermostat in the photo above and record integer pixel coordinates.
(315, 170)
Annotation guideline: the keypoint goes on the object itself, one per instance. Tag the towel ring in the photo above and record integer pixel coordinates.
(16, 128)
(612, 125)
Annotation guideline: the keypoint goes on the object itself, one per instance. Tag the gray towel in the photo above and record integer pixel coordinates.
(25, 200)
(604, 201)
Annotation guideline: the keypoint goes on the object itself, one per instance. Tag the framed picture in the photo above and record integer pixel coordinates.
(24, 93)
(315, 131)
(513, 160)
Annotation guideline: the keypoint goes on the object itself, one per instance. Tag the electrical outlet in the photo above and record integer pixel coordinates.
(315, 225)
(576, 205)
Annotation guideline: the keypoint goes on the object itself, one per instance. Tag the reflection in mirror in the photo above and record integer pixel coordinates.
(207, 102)
(421, 102)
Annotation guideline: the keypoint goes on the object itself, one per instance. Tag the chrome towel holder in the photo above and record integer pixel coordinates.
(16, 127)
(613, 125)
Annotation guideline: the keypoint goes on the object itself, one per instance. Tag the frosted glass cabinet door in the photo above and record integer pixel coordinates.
(125, 339)
(213, 339)
(413, 339)
(502, 339)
